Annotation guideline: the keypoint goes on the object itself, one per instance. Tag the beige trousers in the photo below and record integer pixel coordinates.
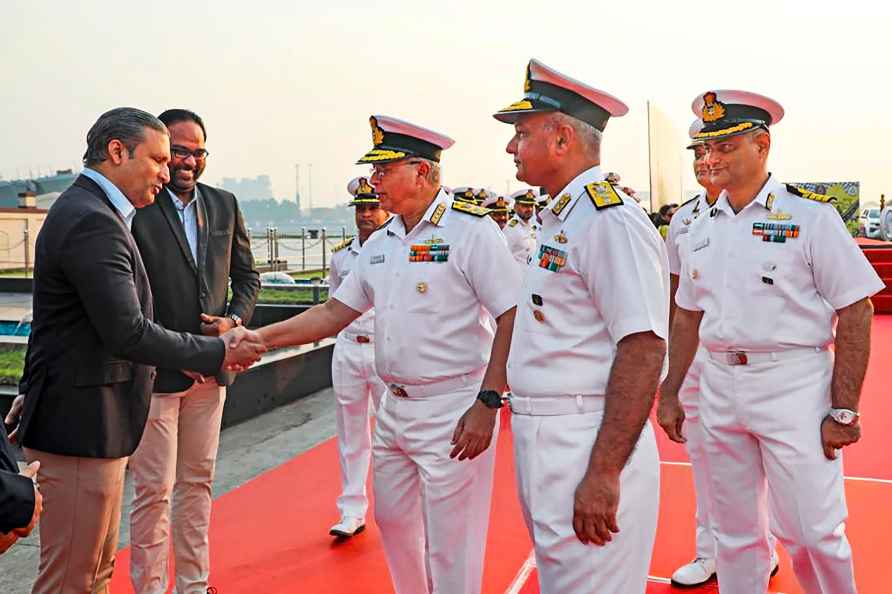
(79, 524)
(173, 470)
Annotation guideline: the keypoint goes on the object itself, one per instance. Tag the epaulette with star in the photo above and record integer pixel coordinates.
(342, 245)
(468, 208)
(603, 195)
(808, 195)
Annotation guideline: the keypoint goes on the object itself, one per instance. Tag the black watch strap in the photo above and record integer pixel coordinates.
(490, 398)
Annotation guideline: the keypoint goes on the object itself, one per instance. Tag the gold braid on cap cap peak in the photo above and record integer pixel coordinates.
(738, 128)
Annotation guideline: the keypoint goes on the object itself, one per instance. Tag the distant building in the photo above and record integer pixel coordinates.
(248, 189)
(46, 188)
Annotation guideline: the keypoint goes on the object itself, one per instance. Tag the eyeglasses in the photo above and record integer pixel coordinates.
(184, 153)
(380, 171)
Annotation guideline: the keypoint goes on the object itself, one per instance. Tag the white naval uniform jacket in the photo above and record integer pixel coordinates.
(772, 276)
(342, 262)
(522, 237)
(430, 314)
(600, 273)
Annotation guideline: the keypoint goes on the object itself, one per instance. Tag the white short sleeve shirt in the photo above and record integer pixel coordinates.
(342, 262)
(432, 290)
(680, 225)
(598, 275)
(772, 276)
(521, 237)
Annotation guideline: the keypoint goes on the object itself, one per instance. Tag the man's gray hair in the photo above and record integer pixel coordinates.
(433, 174)
(589, 136)
(126, 124)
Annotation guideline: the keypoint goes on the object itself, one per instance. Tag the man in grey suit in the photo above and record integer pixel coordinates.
(192, 241)
(93, 349)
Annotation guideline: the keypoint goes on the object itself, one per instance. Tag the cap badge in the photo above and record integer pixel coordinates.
(526, 81)
(364, 187)
(377, 132)
(713, 109)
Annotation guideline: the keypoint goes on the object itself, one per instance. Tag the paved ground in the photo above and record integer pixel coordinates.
(246, 450)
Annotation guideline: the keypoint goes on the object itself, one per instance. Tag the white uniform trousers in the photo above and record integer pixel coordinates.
(689, 396)
(762, 429)
(551, 456)
(356, 387)
(433, 511)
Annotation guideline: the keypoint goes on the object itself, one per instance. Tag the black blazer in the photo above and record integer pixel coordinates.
(182, 289)
(16, 492)
(93, 346)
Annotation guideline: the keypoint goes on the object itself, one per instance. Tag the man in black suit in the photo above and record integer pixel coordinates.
(193, 241)
(93, 350)
(20, 501)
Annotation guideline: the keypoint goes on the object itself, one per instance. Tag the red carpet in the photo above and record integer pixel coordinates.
(270, 535)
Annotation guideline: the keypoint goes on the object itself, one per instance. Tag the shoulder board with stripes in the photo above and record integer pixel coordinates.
(603, 195)
(471, 209)
(342, 245)
(803, 193)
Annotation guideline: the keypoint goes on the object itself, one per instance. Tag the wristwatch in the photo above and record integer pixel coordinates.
(490, 398)
(844, 416)
(235, 318)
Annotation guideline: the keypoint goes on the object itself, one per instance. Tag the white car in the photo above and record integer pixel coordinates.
(869, 223)
(886, 224)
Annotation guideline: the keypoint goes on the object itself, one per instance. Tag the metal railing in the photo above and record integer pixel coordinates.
(295, 252)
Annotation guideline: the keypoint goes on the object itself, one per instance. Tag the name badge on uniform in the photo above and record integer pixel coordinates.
(429, 252)
(700, 244)
(379, 259)
(551, 258)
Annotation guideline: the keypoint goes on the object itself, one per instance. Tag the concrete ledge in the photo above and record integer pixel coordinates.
(279, 381)
(280, 378)
(16, 284)
(266, 314)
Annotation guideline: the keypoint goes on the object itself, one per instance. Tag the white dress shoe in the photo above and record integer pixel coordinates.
(775, 561)
(697, 572)
(347, 527)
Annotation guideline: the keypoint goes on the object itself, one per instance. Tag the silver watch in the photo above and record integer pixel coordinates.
(844, 416)
(235, 318)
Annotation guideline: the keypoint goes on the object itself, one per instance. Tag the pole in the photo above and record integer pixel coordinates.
(27, 248)
(303, 249)
(323, 251)
(650, 173)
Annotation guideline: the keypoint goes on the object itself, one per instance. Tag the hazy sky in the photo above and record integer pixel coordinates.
(288, 82)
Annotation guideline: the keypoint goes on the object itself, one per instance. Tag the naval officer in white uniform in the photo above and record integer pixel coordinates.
(680, 417)
(523, 228)
(764, 276)
(431, 291)
(356, 384)
(588, 349)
